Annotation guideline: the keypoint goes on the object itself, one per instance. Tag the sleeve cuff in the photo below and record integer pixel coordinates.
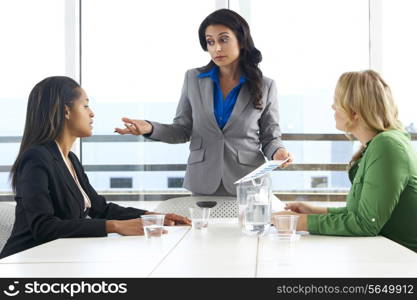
(270, 153)
(149, 135)
(313, 224)
(96, 228)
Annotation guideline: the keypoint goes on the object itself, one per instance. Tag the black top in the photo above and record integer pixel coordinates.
(49, 204)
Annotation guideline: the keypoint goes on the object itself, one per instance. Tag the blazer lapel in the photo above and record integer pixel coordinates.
(65, 173)
(80, 173)
(206, 95)
(243, 99)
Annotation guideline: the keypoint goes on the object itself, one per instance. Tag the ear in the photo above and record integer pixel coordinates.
(355, 116)
(67, 113)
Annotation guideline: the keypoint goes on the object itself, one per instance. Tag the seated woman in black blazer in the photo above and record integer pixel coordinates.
(54, 197)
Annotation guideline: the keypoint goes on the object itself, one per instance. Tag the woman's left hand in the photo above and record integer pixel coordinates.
(172, 219)
(282, 154)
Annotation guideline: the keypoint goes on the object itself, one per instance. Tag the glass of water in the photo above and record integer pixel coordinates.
(153, 225)
(285, 224)
(199, 217)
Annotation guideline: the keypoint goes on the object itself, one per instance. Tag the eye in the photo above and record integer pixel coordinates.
(210, 42)
(224, 39)
(86, 106)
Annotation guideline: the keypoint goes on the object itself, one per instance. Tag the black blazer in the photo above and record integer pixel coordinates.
(50, 204)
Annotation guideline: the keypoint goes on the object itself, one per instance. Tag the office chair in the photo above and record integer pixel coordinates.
(7, 216)
(226, 207)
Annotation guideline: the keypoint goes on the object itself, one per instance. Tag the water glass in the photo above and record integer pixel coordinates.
(153, 225)
(285, 224)
(199, 217)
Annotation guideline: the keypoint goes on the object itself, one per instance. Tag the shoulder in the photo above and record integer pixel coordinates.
(269, 88)
(192, 74)
(391, 143)
(39, 152)
(390, 139)
(36, 155)
(268, 83)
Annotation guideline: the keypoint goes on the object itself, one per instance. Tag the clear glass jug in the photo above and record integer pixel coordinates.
(254, 199)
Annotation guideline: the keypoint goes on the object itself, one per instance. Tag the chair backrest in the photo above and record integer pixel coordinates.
(7, 216)
(226, 207)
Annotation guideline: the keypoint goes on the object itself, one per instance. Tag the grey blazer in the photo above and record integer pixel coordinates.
(218, 155)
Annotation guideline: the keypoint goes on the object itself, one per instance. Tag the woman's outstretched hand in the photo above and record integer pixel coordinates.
(135, 127)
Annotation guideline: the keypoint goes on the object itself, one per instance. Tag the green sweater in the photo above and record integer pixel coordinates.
(383, 196)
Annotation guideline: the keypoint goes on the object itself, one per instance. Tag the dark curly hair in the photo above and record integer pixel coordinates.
(249, 57)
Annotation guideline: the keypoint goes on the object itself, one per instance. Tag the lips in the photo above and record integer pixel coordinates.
(219, 57)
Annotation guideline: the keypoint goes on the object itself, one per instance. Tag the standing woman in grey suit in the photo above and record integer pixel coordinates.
(228, 110)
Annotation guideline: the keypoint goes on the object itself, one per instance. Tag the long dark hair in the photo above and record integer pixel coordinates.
(45, 115)
(249, 57)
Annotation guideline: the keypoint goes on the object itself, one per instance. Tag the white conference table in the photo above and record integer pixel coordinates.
(220, 251)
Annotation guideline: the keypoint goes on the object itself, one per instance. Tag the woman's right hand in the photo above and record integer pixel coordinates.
(126, 227)
(135, 127)
(303, 208)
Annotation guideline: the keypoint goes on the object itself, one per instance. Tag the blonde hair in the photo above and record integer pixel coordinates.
(368, 95)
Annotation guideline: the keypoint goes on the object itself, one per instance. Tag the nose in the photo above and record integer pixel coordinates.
(92, 114)
(334, 107)
(218, 48)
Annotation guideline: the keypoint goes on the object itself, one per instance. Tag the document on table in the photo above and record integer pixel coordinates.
(266, 168)
(277, 204)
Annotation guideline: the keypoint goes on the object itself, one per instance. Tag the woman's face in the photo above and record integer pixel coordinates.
(222, 44)
(80, 117)
(343, 122)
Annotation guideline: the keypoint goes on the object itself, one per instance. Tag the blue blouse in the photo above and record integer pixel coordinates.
(222, 107)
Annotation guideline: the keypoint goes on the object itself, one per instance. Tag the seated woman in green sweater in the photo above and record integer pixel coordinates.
(383, 196)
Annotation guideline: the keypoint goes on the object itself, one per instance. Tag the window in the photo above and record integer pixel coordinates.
(34, 46)
(121, 182)
(134, 57)
(306, 45)
(398, 55)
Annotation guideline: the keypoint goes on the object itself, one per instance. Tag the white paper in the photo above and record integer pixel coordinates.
(277, 204)
(266, 168)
